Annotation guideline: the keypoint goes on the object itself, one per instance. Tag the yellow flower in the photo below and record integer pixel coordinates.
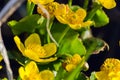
(41, 1)
(1, 60)
(33, 49)
(72, 62)
(74, 19)
(108, 4)
(110, 70)
(31, 72)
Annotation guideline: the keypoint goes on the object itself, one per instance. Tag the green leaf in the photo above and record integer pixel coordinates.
(100, 18)
(26, 24)
(95, 45)
(71, 43)
(12, 23)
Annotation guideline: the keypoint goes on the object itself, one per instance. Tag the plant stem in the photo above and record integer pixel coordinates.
(70, 3)
(63, 34)
(85, 5)
(30, 8)
(92, 12)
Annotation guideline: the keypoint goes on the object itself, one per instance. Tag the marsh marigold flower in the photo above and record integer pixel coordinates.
(110, 70)
(41, 1)
(72, 62)
(108, 4)
(31, 72)
(33, 50)
(74, 19)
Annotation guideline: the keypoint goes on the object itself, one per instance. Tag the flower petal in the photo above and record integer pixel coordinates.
(31, 55)
(33, 39)
(19, 44)
(31, 68)
(70, 67)
(81, 14)
(46, 75)
(108, 4)
(51, 59)
(21, 72)
(50, 49)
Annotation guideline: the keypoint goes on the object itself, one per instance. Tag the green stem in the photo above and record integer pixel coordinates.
(70, 3)
(30, 8)
(90, 51)
(63, 34)
(85, 5)
(92, 12)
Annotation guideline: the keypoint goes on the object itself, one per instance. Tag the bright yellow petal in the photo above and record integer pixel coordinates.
(35, 57)
(108, 4)
(101, 75)
(62, 19)
(41, 1)
(86, 24)
(81, 14)
(31, 68)
(22, 72)
(70, 67)
(50, 49)
(76, 59)
(51, 59)
(33, 39)
(61, 12)
(46, 75)
(31, 55)
(19, 44)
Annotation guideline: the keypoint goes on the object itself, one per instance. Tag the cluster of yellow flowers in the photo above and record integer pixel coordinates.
(33, 49)
(37, 52)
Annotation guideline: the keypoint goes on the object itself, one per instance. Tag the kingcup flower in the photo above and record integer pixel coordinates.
(108, 4)
(31, 72)
(33, 50)
(72, 62)
(75, 19)
(110, 70)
